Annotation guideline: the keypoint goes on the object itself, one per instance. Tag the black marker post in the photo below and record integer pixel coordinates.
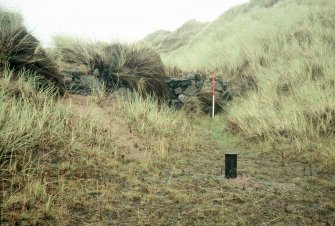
(231, 165)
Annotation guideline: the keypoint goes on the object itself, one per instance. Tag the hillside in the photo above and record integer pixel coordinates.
(278, 57)
(169, 41)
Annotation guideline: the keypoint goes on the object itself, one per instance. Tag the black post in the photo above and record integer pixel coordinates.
(231, 165)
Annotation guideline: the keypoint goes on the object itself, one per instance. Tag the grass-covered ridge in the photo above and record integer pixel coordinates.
(279, 55)
(167, 41)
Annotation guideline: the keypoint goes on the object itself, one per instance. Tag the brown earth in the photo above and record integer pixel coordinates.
(129, 145)
(87, 185)
(189, 188)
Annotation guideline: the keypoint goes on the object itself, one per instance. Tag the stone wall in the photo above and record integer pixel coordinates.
(76, 82)
(192, 85)
(180, 89)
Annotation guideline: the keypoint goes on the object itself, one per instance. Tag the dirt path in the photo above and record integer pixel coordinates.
(129, 145)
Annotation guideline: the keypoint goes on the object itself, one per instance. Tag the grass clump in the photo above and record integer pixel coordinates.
(120, 65)
(31, 125)
(21, 50)
(43, 148)
(151, 119)
(20, 105)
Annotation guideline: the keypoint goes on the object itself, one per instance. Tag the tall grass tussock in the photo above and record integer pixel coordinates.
(131, 65)
(21, 50)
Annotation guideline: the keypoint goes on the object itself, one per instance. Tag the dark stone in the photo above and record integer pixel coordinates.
(218, 86)
(178, 91)
(226, 96)
(96, 72)
(185, 83)
(177, 104)
(172, 95)
(199, 84)
(224, 84)
(182, 98)
(197, 77)
(72, 72)
(172, 83)
(190, 76)
(190, 90)
(79, 89)
(175, 83)
(124, 92)
(89, 81)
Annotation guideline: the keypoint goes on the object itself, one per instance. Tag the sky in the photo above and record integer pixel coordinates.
(106, 20)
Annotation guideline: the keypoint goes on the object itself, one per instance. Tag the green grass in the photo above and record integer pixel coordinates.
(22, 108)
(31, 125)
(166, 41)
(158, 122)
(278, 57)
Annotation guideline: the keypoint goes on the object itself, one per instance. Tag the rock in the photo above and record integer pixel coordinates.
(177, 104)
(89, 81)
(178, 91)
(185, 83)
(197, 77)
(96, 72)
(199, 84)
(190, 90)
(124, 92)
(175, 83)
(190, 76)
(225, 84)
(172, 94)
(182, 98)
(72, 72)
(226, 96)
(172, 83)
(218, 86)
(77, 88)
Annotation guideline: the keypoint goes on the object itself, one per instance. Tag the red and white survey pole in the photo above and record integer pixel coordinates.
(213, 88)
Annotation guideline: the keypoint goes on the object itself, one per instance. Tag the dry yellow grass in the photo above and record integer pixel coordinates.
(103, 160)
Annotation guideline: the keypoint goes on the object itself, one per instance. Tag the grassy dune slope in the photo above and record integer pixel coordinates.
(278, 55)
(167, 41)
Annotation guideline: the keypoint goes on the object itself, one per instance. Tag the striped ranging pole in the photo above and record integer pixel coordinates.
(213, 97)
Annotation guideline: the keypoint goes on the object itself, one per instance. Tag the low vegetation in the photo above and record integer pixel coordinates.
(111, 159)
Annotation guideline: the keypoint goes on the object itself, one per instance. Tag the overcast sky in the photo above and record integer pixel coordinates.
(106, 20)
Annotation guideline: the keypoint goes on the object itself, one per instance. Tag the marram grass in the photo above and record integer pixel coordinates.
(279, 59)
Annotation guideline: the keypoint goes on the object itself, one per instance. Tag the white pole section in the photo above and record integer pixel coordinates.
(213, 96)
